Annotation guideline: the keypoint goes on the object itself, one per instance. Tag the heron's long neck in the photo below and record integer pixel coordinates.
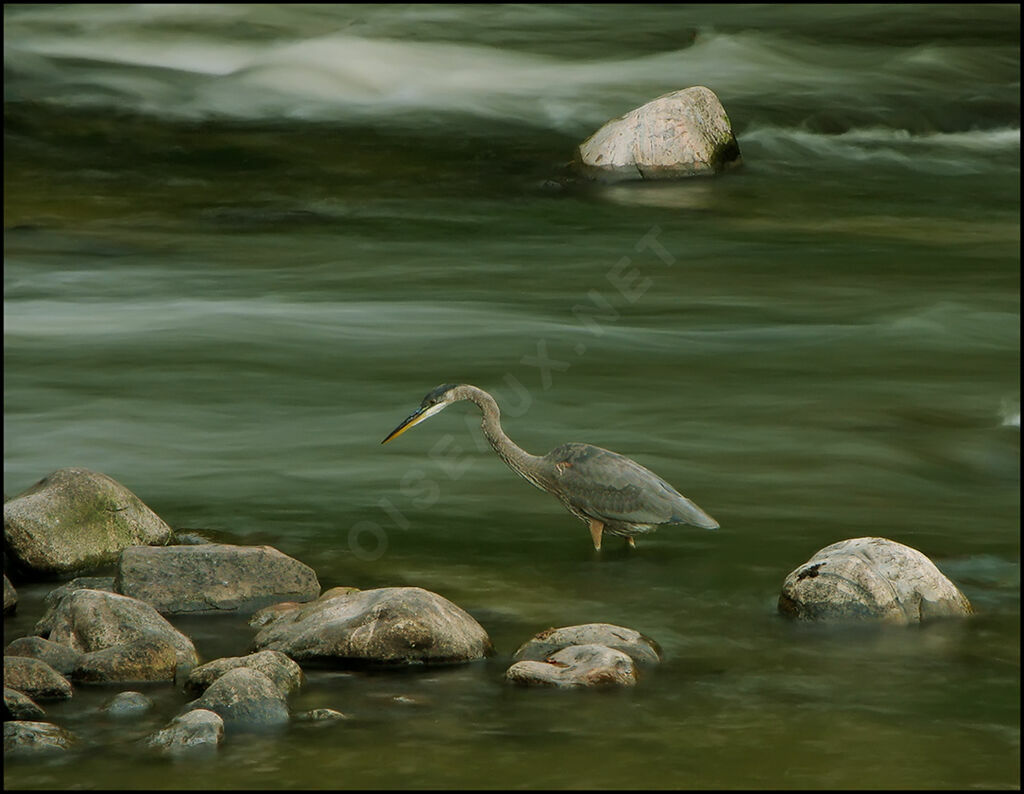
(518, 459)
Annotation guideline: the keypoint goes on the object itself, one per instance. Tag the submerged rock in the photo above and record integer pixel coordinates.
(120, 638)
(197, 731)
(642, 649)
(127, 704)
(245, 698)
(60, 657)
(870, 579)
(10, 596)
(76, 519)
(680, 134)
(213, 576)
(389, 625)
(35, 678)
(576, 666)
(19, 706)
(22, 737)
(285, 673)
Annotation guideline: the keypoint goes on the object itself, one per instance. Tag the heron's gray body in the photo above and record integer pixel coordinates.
(606, 490)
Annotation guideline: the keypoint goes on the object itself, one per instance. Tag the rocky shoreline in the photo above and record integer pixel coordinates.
(114, 630)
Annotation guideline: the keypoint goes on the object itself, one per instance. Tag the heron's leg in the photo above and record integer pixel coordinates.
(631, 542)
(596, 528)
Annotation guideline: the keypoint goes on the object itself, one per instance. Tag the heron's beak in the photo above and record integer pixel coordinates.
(415, 418)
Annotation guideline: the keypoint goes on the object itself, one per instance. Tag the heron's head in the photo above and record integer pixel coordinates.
(435, 402)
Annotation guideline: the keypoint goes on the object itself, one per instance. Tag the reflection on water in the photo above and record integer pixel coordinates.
(243, 241)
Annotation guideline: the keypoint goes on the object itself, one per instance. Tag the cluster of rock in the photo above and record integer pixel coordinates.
(113, 629)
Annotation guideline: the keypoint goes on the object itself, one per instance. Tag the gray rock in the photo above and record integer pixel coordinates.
(76, 519)
(198, 731)
(121, 638)
(244, 698)
(35, 678)
(22, 737)
(285, 673)
(19, 706)
(389, 625)
(213, 576)
(55, 596)
(576, 666)
(642, 649)
(680, 134)
(126, 705)
(870, 579)
(61, 658)
(10, 596)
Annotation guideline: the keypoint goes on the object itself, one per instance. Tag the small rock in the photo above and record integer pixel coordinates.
(870, 579)
(19, 706)
(127, 704)
(321, 715)
(213, 576)
(285, 673)
(22, 737)
(389, 625)
(10, 596)
(76, 519)
(642, 649)
(196, 731)
(680, 134)
(61, 658)
(35, 678)
(577, 666)
(121, 638)
(245, 698)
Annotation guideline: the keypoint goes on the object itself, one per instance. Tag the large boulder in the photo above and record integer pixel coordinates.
(120, 638)
(76, 519)
(870, 579)
(54, 597)
(213, 576)
(35, 678)
(642, 649)
(680, 134)
(23, 737)
(245, 698)
(197, 731)
(389, 625)
(576, 666)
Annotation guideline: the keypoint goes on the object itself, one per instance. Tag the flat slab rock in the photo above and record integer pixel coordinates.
(387, 626)
(76, 519)
(577, 666)
(213, 576)
(870, 579)
(640, 648)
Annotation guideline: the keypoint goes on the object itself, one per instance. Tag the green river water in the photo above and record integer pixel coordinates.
(242, 242)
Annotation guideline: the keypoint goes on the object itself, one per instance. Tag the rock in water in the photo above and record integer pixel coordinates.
(641, 649)
(76, 519)
(197, 731)
(870, 579)
(10, 596)
(245, 698)
(22, 737)
(286, 674)
(389, 625)
(35, 679)
(577, 666)
(683, 133)
(120, 638)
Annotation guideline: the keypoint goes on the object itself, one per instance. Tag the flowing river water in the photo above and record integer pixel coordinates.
(242, 242)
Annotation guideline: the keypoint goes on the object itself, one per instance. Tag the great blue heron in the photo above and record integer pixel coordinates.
(608, 491)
